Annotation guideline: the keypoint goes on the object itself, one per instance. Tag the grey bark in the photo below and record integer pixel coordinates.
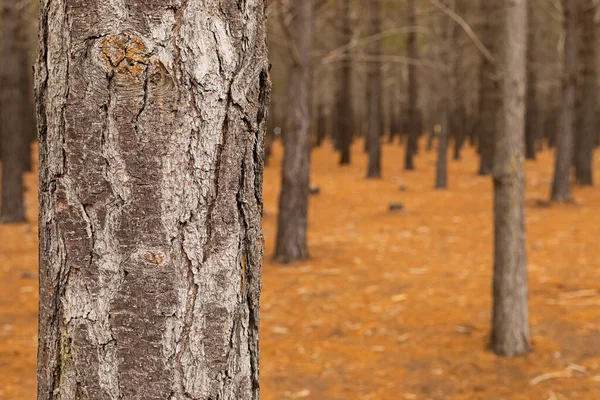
(151, 122)
(532, 116)
(510, 321)
(587, 124)
(374, 93)
(13, 131)
(292, 221)
(344, 114)
(489, 94)
(413, 115)
(561, 191)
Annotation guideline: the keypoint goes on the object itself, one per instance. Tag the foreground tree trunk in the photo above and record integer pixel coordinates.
(344, 115)
(13, 133)
(510, 321)
(561, 191)
(489, 94)
(374, 94)
(151, 123)
(413, 115)
(532, 112)
(587, 132)
(292, 221)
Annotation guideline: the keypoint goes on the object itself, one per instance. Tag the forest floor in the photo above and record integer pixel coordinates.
(391, 305)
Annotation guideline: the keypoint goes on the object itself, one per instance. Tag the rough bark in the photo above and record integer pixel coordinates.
(374, 93)
(587, 126)
(151, 122)
(561, 191)
(532, 116)
(12, 99)
(510, 321)
(413, 115)
(292, 221)
(344, 114)
(489, 95)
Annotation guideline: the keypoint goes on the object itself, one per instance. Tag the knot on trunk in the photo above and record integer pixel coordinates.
(125, 54)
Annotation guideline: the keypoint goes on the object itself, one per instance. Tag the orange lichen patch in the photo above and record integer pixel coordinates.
(125, 54)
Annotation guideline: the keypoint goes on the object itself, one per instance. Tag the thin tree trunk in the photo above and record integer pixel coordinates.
(459, 128)
(561, 191)
(292, 221)
(413, 115)
(151, 124)
(374, 93)
(510, 321)
(489, 95)
(587, 131)
(532, 116)
(321, 125)
(12, 98)
(345, 117)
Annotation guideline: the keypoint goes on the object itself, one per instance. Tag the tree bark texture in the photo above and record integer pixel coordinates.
(374, 93)
(13, 133)
(510, 323)
(292, 221)
(151, 123)
(344, 114)
(413, 114)
(489, 92)
(532, 116)
(561, 191)
(587, 124)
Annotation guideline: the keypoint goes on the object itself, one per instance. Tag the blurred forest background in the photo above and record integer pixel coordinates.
(382, 288)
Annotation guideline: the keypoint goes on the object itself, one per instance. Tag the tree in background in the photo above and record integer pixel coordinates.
(344, 115)
(374, 91)
(413, 116)
(151, 126)
(510, 321)
(561, 191)
(587, 131)
(15, 123)
(292, 221)
(532, 113)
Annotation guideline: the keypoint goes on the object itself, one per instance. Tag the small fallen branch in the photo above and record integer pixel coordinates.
(571, 371)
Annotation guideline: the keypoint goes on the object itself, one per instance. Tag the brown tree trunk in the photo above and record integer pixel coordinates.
(561, 191)
(459, 122)
(13, 126)
(489, 94)
(374, 93)
(344, 114)
(587, 131)
(510, 321)
(413, 115)
(292, 221)
(532, 116)
(151, 124)
(321, 125)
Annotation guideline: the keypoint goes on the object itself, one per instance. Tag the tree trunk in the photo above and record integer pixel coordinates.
(510, 321)
(345, 116)
(292, 221)
(459, 128)
(587, 131)
(151, 123)
(561, 191)
(374, 93)
(412, 111)
(321, 125)
(12, 98)
(489, 95)
(532, 116)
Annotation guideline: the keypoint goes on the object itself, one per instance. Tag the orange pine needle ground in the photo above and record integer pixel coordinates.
(392, 305)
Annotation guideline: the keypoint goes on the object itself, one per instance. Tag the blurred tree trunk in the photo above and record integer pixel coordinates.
(510, 321)
(561, 191)
(489, 94)
(344, 114)
(292, 221)
(587, 124)
(321, 125)
(459, 128)
(374, 93)
(441, 176)
(413, 115)
(151, 167)
(532, 117)
(13, 126)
